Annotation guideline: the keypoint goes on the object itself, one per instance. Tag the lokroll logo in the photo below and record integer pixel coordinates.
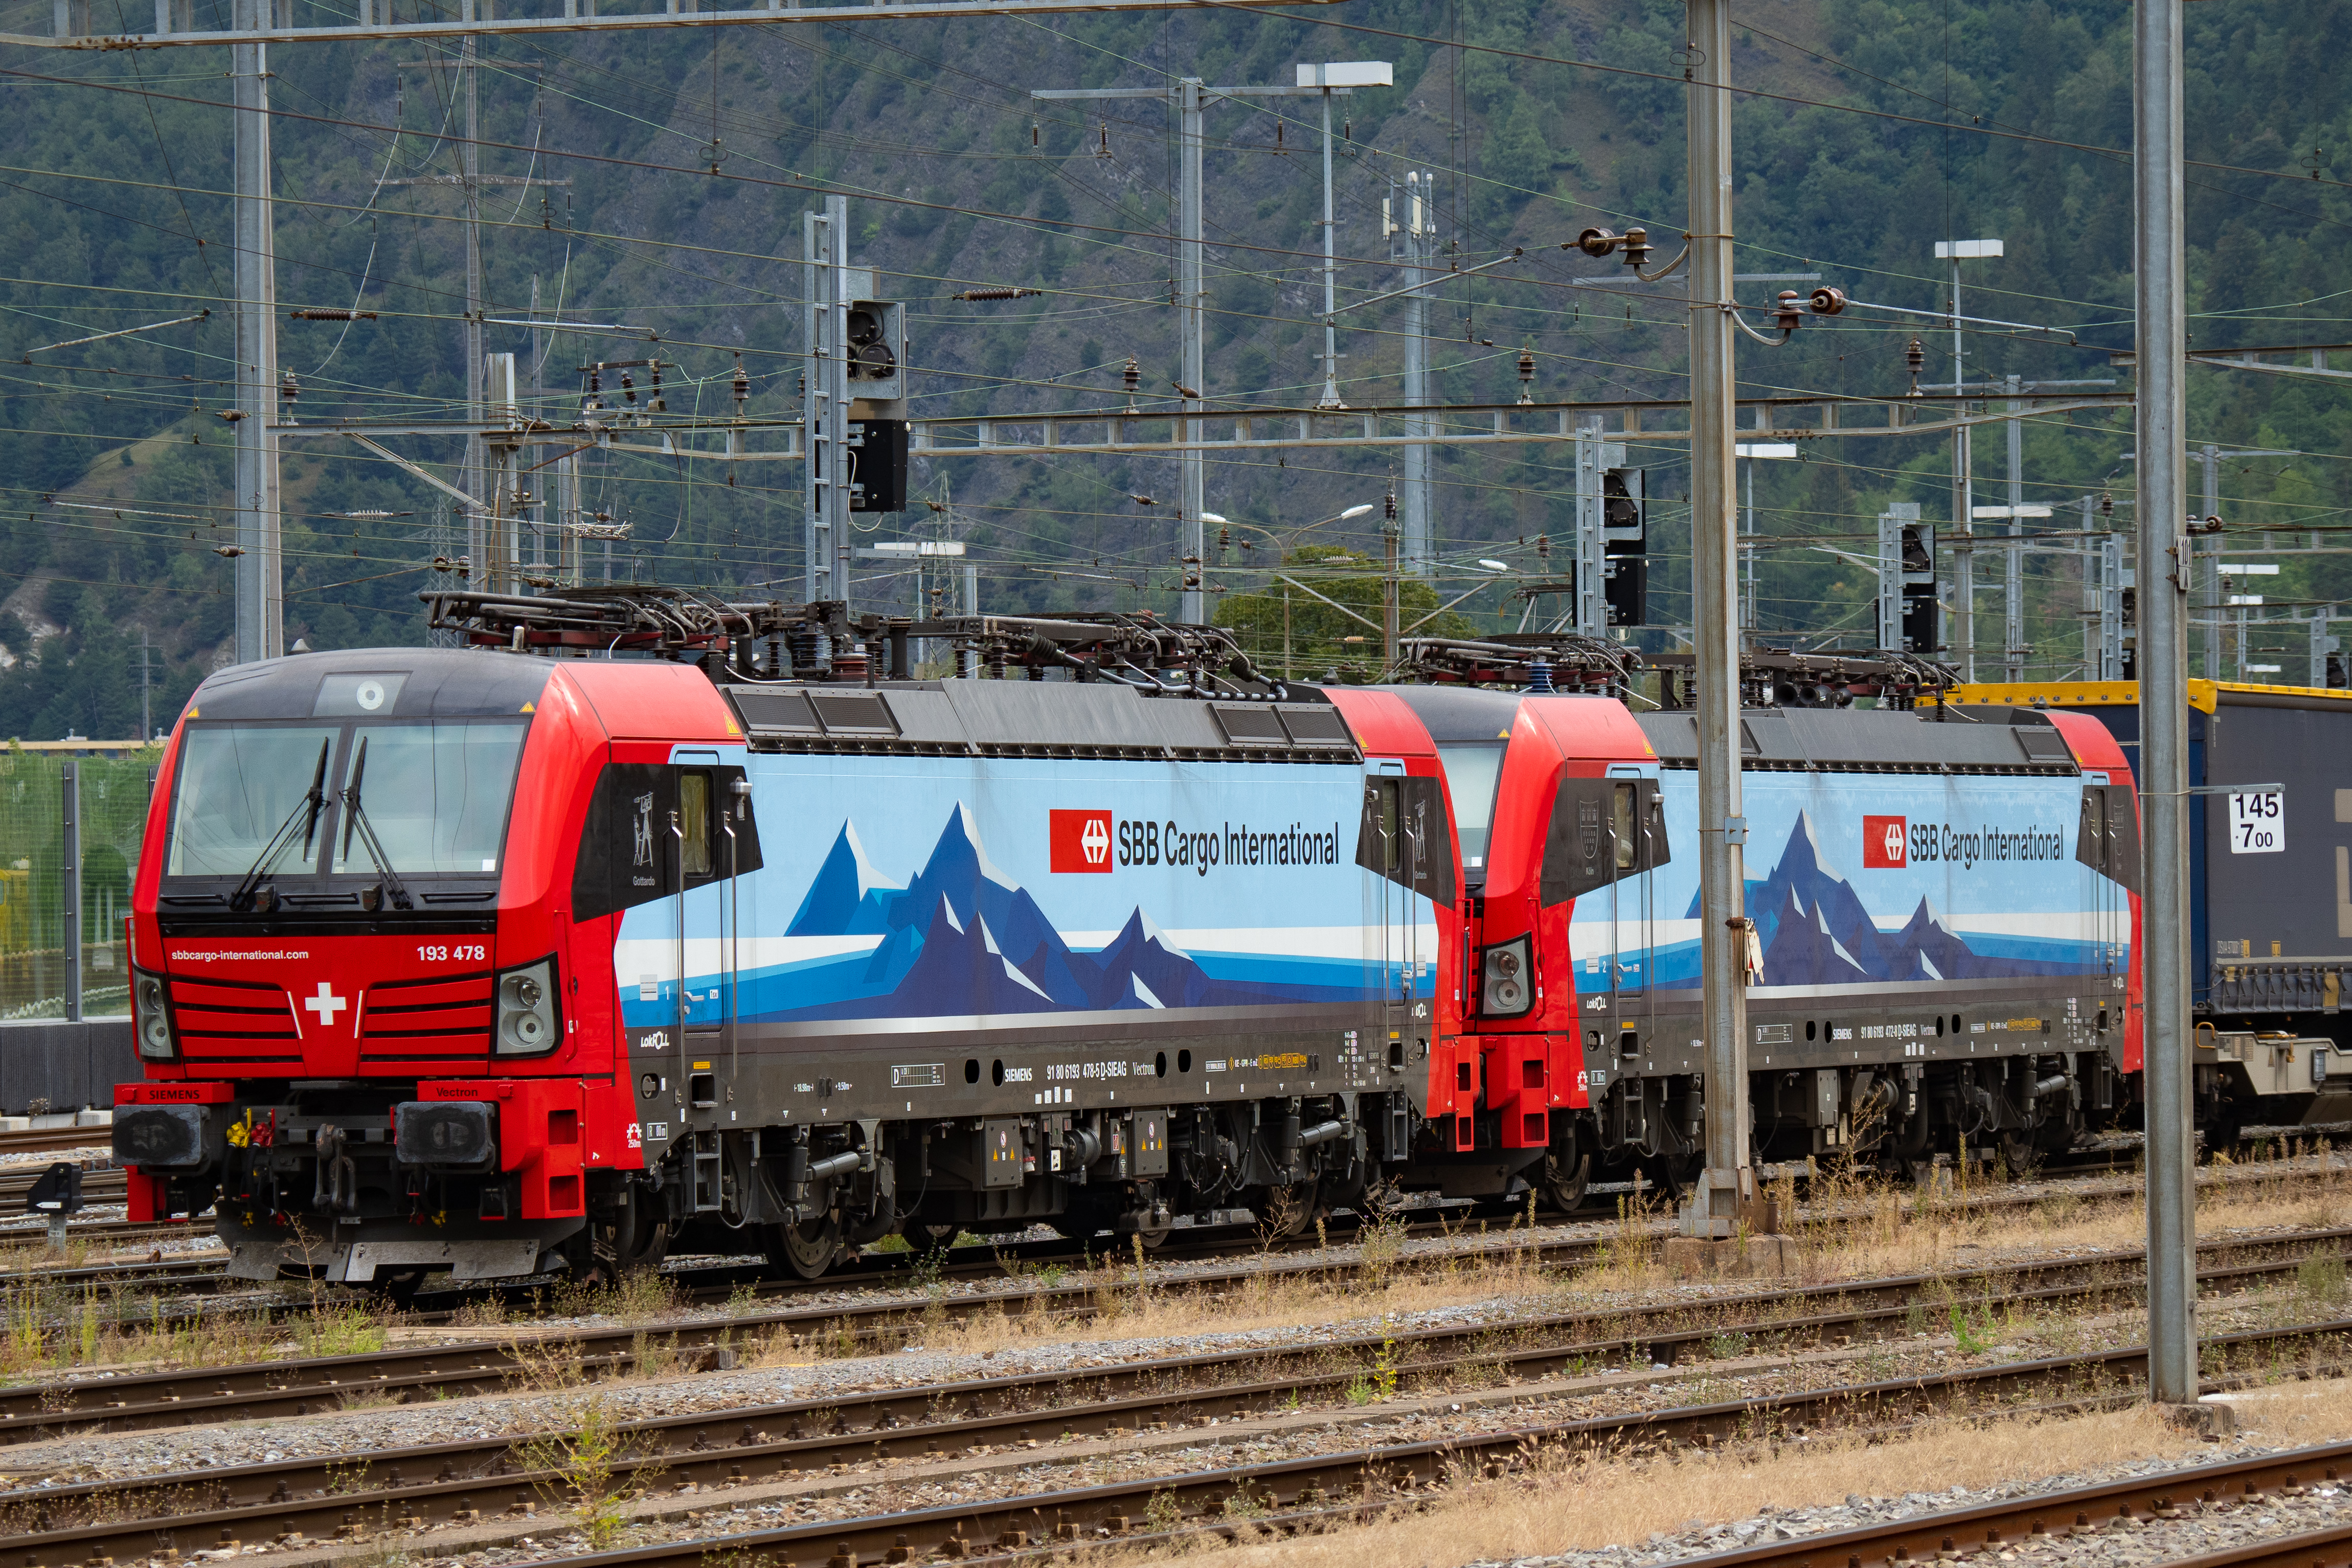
(1080, 840)
(1885, 843)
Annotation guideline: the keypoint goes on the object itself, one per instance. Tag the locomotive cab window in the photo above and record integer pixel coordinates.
(1404, 836)
(1601, 830)
(1472, 773)
(359, 798)
(694, 823)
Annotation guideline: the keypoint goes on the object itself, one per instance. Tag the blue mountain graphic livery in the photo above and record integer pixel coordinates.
(1816, 932)
(963, 939)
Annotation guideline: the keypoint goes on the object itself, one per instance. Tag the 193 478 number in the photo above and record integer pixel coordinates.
(459, 955)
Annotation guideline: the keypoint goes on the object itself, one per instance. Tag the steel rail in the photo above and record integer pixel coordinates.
(335, 1494)
(195, 1395)
(2108, 1508)
(1209, 1499)
(38, 1140)
(2312, 1549)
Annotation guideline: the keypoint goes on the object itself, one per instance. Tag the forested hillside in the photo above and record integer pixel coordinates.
(1881, 127)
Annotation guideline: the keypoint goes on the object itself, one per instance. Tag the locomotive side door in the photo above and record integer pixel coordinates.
(1384, 804)
(707, 855)
(1407, 838)
(1631, 911)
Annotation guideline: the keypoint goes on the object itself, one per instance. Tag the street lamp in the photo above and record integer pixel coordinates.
(1281, 550)
(1963, 465)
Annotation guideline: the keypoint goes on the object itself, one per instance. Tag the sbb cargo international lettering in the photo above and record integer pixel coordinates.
(1227, 844)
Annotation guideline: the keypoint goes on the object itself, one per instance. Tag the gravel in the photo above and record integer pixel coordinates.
(2108, 1542)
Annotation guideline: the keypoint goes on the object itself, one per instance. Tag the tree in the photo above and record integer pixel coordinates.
(1288, 630)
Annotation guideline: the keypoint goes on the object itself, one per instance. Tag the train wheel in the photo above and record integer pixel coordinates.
(1288, 1211)
(1154, 1227)
(400, 1288)
(1084, 1214)
(808, 1248)
(1566, 1173)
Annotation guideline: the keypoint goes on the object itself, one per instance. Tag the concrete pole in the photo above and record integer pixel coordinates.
(1727, 1190)
(2012, 593)
(1192, 499)
(1419, 211)
(1330, 398)
(2161, 284)
(1964, 561)
(259, 571)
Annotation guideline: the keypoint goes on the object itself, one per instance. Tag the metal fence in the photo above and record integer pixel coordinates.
(69, 833)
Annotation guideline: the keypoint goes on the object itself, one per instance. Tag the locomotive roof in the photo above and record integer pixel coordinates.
(440, 683)
(1456, 713)
(1963, 741)
(1046, 719)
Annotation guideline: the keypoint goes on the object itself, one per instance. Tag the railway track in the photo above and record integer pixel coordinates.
(193, 1397)
(2084, 1511)
(332, 1495)
(375, 1495)
(43, 1140)
(2312, 1549)
(704, 1285)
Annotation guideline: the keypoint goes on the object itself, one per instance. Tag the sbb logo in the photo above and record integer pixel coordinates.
(1080, 840)
(1885, 843)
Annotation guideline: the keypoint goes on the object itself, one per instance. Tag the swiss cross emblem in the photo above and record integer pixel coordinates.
(326, 1004)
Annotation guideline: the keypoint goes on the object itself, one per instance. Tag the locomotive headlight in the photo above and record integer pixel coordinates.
(526, 1009)
(151, 1017)
(1504, 971)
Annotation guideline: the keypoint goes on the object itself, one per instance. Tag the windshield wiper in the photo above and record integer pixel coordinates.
(307, 809)
(356, 819)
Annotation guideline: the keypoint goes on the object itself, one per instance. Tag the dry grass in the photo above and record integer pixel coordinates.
(1567, 1504)
(1879, 1231)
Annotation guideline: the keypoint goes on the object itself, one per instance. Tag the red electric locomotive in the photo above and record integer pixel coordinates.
(494, 964)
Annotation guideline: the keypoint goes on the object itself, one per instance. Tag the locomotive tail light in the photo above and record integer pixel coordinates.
(1505, 970)
(151, 1016)
(528, 1025)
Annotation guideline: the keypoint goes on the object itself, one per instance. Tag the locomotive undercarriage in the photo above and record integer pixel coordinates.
(807, 1195)
(1894, 1117)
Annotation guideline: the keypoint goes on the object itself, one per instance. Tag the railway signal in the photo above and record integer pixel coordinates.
(1624, 533)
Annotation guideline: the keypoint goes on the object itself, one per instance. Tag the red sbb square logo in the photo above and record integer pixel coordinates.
(1885, 843)
(1080, 840)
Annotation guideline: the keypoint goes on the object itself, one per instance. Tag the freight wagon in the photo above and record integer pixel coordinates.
(2270, 904)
